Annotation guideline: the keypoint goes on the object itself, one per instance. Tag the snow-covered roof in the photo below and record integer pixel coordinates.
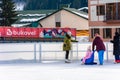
(77, 12)
(30, 19)
(72, 10)
(83, 15)
(83, 8)
(20, 25)
(31, 14)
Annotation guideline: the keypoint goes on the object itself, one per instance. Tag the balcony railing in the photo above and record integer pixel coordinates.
(113, 19)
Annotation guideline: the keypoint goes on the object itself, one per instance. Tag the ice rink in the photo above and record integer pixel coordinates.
(59, 71)
(27, 61)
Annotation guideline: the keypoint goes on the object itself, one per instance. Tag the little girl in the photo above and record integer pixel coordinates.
(89, 57)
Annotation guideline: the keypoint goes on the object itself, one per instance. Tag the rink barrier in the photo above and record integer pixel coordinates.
(39, 51)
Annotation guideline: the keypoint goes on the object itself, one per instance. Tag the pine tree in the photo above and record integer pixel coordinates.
(77, 4)
(8, 13)
(54, 4)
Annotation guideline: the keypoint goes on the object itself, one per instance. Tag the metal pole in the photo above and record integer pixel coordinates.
(107, 50)
(35, 52)
(77, 52)
(71, 56)
(40, 53)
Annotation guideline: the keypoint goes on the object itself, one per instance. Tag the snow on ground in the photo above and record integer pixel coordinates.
(59, 71)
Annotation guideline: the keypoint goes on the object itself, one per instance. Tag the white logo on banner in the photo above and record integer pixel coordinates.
(9, 32)
(0, 34)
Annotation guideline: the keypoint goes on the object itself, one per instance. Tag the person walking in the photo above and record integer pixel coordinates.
(100, 47)
(67, 47)
(116, 47)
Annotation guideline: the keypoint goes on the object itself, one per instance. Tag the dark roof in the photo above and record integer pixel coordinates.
(36, 11)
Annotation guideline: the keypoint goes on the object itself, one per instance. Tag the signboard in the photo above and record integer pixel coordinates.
(37, 32)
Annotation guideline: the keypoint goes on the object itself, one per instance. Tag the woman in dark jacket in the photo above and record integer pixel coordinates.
(116, 47)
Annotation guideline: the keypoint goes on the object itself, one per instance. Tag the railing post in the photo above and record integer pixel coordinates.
(77, 51)
(40, 53)
(71, 52)
(107, 50)
(35, 52)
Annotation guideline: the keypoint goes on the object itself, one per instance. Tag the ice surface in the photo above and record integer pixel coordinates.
(58, 70)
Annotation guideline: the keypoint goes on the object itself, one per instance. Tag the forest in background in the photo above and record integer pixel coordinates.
(52, 4)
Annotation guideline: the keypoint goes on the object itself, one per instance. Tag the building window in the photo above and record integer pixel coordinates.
(93, 31)
(113, 11)
(107, 33)
(58, 24)
(100, 10)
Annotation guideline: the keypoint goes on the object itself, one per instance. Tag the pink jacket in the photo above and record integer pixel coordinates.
(88, 55)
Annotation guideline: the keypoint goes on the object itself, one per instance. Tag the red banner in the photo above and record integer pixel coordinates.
(36, 32)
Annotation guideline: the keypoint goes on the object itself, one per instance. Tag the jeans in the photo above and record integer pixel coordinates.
(91, 59)
(101, 56)
(117, 57)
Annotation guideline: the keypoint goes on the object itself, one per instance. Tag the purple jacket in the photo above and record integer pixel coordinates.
(98, 43)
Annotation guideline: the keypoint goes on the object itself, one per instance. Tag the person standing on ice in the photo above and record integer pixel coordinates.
(100, 47)
(67, 47)
(116, 47)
